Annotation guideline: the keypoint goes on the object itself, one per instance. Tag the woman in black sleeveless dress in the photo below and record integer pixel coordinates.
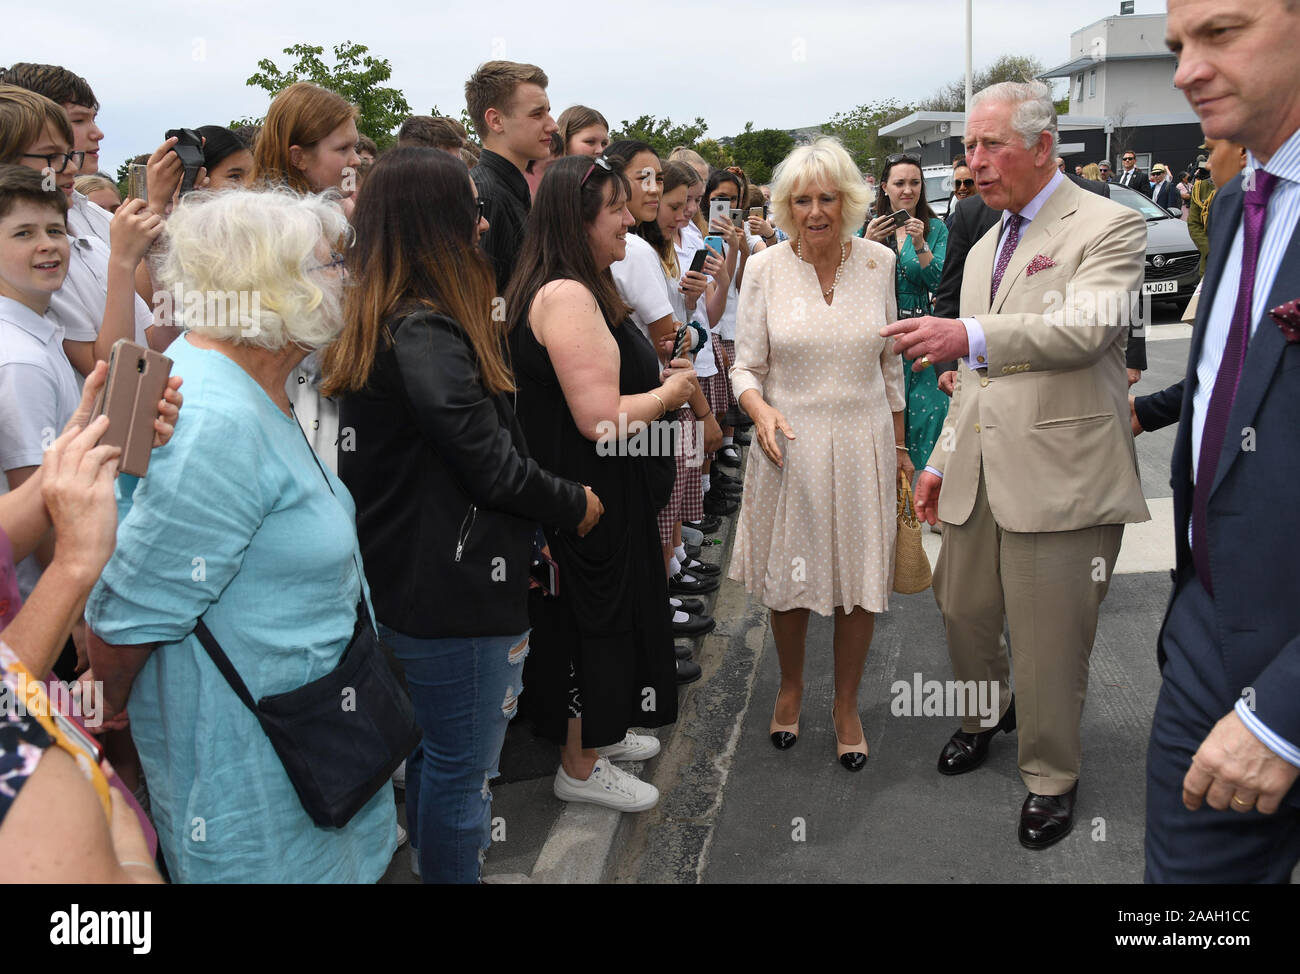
(606, 634)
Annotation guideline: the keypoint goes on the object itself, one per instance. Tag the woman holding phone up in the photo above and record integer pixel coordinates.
(602, 657)
(909, 227)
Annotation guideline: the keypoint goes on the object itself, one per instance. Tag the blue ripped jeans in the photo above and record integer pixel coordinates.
(465, 691)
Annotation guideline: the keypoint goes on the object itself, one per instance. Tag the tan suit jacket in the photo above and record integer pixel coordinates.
(1049, 417)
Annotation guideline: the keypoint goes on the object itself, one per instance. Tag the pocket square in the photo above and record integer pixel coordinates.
(1287, 317)
(1040, 263)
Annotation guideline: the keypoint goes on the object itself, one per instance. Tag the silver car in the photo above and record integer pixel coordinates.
(1173, 262)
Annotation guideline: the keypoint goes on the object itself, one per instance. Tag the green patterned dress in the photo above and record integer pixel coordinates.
(926, 403)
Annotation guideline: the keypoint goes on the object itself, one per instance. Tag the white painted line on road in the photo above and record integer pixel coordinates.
(1147, 547)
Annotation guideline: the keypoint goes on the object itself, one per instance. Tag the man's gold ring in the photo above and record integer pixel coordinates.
(925, 362)
(1240, 802)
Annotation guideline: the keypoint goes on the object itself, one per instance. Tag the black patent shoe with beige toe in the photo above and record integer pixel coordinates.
(782, 736)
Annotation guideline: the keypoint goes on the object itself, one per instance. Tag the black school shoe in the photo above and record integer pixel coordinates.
(709, 525)
(684, 584)
(688, 671)
(694, 625)
(687, 604)
(715, 502)
(729, 455)
(700, 569)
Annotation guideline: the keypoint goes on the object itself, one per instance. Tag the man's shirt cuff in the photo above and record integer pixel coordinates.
(1280, 746)
(937, 473)
(978, 357)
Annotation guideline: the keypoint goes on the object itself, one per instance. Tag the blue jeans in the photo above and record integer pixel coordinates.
(465, 691)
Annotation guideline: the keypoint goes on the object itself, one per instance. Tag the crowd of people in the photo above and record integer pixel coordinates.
(486, 399)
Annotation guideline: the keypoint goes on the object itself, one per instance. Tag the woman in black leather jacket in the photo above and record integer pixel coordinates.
(448, 500)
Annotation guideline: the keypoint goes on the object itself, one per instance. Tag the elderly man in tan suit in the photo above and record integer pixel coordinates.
(1034, 474)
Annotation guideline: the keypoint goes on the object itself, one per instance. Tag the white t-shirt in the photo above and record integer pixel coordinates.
(640, 280)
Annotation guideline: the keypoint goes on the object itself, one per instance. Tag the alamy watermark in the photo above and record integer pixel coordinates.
(637, 438)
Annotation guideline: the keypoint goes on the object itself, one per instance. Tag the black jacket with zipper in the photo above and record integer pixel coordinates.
(448, 500)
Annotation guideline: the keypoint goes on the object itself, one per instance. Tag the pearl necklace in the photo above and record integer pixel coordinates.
(798, 249)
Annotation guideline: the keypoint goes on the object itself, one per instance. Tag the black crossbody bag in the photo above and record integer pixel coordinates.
(340, 737)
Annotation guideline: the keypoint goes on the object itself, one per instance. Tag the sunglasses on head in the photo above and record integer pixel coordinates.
(598, 161)
(898, 157)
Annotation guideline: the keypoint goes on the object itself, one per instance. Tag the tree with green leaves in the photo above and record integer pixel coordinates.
(464, 120)
(757, 151)
(661, 134)
(1009, 67)
(355, 75)
(858, 130)
(717, 155)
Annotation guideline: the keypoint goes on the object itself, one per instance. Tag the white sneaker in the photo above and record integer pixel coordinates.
(608, 786)
(633, 747)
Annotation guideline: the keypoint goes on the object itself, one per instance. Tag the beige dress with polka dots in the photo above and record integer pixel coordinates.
(819, 532)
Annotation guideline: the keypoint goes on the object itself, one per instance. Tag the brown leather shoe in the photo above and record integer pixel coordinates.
(1045, 819)
(966, 752)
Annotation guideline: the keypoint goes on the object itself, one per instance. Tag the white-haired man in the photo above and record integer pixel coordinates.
(1034, 474)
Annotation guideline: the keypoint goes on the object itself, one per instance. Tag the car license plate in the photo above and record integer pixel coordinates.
(1160, 287)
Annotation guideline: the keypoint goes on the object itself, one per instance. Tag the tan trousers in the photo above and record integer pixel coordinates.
(1050, 587)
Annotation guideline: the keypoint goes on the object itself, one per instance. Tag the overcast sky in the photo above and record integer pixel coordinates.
(160, 64)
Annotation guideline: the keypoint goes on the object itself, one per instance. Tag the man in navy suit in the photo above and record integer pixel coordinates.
(1162, 190)
(1224, 757)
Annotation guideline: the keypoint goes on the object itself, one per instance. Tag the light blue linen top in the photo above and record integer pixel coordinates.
(234, 522)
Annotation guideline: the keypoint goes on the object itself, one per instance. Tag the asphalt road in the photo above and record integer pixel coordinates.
(734, 809)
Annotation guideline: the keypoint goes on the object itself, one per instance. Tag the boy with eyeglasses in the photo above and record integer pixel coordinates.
(73, 94)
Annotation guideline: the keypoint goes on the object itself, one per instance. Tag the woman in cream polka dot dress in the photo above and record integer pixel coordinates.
(825, 391)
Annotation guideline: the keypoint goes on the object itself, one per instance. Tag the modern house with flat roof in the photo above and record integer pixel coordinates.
(1122, 95)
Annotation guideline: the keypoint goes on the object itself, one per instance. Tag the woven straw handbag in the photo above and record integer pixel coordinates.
(911, 566)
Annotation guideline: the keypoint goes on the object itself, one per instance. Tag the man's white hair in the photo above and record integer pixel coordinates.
(243, 266)
(1033, 111)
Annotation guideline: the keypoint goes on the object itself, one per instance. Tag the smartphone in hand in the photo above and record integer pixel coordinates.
(137, 379)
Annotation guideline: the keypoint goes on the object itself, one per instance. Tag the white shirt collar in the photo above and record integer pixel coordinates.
(40, 327)
(1284, 163)
(1031, 208)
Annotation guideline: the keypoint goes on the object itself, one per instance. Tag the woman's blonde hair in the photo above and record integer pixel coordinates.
(824, 162)
(243, 267)
(93, 182)
(1092, 171)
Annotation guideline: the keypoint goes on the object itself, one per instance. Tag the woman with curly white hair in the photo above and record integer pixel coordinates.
(825, 392)
(237, 524)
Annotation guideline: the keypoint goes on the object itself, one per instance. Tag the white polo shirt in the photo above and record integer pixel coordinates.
(78, 306)
(87, 219)
(39, 392)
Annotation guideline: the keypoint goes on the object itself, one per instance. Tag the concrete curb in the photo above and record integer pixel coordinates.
(585, 839)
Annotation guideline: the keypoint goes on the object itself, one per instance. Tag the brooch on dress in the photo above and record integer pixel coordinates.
(871, 263)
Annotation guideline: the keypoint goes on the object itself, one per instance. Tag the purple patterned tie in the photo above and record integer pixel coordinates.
(1225, 383)
(1004, 256)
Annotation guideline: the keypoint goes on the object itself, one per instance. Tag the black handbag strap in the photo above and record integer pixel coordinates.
(209, 641)
(227, 668)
